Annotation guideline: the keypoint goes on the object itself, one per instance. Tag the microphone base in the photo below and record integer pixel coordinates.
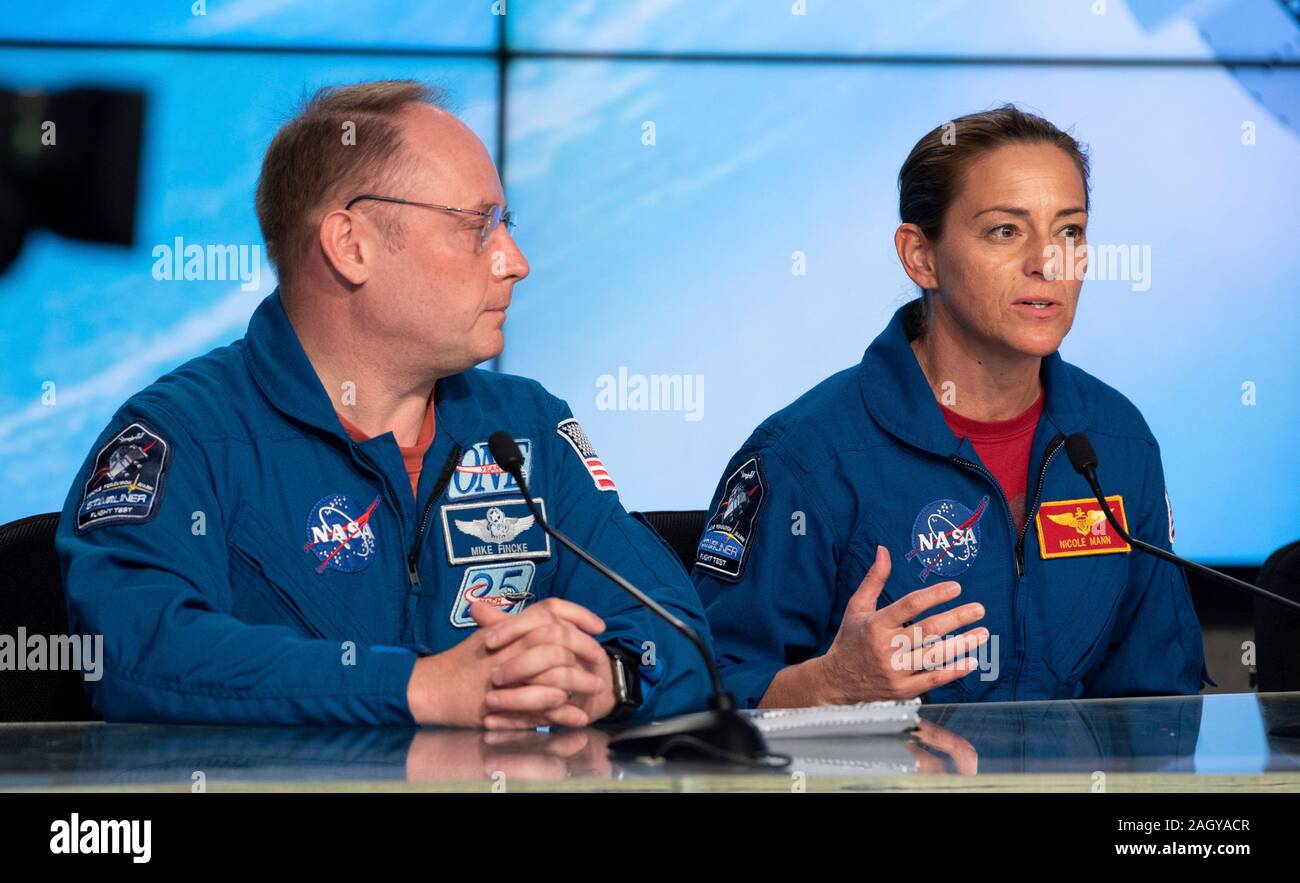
(711, 736)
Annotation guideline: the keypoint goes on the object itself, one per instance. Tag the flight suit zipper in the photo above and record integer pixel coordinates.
(1019, 534)
(444, 479)
(413, 558)
(1052, 447)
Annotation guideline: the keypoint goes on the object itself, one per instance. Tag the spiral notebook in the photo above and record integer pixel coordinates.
(862, 719)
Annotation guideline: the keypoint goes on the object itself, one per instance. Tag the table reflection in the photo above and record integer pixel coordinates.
(1241, 733)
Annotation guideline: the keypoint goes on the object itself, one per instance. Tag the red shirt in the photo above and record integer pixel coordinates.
(1003, 447)
(413, 456)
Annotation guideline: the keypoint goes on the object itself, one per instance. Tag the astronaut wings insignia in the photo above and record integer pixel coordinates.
(1078, 519)
(497, 527)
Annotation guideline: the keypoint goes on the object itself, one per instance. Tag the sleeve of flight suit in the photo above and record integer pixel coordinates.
(1157, 648)
(674, 679)
(158, 590)
(777, 610)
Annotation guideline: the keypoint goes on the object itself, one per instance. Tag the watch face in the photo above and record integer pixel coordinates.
(627, 683)
(620, 680)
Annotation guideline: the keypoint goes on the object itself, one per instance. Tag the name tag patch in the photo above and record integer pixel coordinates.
(1068, 528)
(493, 531)
(506, 587)
(125, 479)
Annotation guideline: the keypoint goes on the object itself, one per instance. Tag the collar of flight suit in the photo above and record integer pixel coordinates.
(900, 400)
(281, 369)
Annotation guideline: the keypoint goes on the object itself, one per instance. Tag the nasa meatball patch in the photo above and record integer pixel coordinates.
(125, 480)
(730, 532)
(945, 537)
(339, 534)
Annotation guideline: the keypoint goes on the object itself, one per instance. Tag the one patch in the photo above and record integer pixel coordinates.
(339, 534)
(494, 531)
(477, 474)
(1067, 528)
(945, 538)
(729, 534)
(125, 480)
(503, 586)
(1169, 508)
(572, 432)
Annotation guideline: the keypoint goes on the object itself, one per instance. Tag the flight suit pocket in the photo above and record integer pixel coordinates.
(311, 603)
(260, 599)
(1085, 634)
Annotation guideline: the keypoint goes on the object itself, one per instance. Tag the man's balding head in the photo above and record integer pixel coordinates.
(422, 270)
(344, 140)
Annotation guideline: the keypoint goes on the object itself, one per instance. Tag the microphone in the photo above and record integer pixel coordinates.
(1084, 460)
(721, 733)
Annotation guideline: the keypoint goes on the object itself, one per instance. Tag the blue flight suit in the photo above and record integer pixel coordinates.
(865, 459)
(248, 562)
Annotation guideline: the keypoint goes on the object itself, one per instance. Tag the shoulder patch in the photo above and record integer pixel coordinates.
(125, 481)
(730, 532)
(571, 431)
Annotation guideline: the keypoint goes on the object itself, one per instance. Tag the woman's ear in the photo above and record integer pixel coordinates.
(916, 253)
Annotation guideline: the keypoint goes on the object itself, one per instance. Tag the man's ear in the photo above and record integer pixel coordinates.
(916, 253)
(347, 242)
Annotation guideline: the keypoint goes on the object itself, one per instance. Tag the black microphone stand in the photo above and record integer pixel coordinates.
(721, 733)
(1084, 460)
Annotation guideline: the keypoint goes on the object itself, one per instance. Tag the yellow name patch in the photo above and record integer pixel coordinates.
(1067, 528)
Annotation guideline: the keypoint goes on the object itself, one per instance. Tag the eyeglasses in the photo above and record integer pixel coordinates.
(492, 218)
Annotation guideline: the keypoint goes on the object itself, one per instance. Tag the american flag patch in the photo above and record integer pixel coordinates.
(572, 432)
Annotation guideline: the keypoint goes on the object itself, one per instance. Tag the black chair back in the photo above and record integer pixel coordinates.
(1277, 629)
(681, 530)
(31, 599)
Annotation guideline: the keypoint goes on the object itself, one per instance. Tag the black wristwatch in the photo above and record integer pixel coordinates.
(626, 669)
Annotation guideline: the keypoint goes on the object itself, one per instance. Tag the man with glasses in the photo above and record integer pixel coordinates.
(308, 526)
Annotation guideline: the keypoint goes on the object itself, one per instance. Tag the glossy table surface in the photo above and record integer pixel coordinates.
(1215, 742)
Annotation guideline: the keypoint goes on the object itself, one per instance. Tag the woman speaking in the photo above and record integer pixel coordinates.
(911, 526)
